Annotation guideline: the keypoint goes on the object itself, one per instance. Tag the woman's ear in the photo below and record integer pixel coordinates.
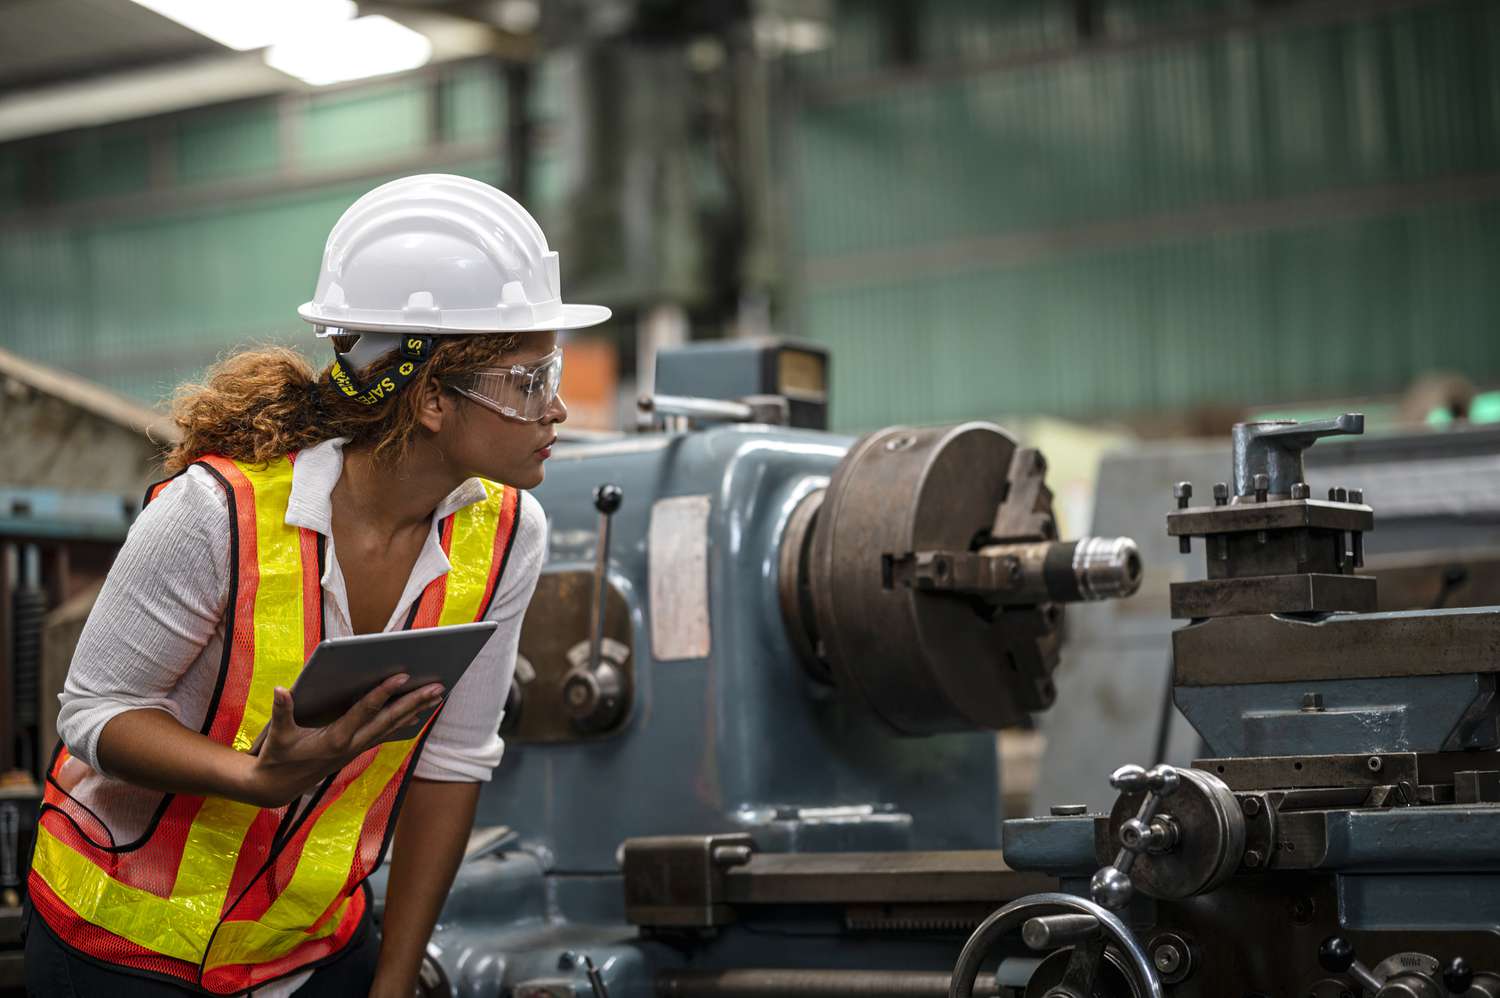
(436, 407)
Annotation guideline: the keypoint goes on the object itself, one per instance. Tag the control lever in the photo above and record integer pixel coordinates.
(592, 694)
(1274, 449)
(1111, 886)
(1336, 956)
(596, 979)
(607, 499)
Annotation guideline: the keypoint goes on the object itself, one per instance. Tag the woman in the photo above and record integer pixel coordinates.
(178, 855)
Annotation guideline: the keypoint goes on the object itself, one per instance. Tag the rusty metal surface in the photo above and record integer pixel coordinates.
(1301, 771)
(1306, 592)
(769, 982)
(678, 880)
(930, 662)
(1273, 649)
(1277, 515)
(793, 588)
(555, 628)
(880, 877)
(1212, 832)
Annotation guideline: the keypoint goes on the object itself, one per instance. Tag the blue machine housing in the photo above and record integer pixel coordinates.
(740, 740)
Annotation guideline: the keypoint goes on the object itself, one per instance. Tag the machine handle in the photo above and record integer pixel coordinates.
(607, 500)
(1274, 449)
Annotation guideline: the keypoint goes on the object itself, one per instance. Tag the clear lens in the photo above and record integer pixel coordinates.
(522, 392)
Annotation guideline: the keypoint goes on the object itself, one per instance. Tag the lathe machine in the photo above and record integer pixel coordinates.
(750, 749)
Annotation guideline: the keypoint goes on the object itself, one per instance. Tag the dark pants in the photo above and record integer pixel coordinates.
(54, 972)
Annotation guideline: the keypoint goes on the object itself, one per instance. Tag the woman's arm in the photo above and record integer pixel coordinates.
(431, 834)
(151, 749)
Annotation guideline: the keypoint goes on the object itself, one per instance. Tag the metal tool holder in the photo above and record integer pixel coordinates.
(1350, 800)
(1269, 546)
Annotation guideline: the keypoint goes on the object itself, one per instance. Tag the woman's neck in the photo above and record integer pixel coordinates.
(392, 497)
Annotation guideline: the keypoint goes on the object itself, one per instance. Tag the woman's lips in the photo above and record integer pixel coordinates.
(545, 451)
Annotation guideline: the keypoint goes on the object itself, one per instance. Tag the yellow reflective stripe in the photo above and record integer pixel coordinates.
(278, 598)
(322, 870)
(161, 925)
(213, 844)
(470, 553)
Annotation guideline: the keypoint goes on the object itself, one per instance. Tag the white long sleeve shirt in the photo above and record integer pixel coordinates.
(156, 635)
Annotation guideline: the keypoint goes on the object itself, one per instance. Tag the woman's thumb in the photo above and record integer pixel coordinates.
(281, 707)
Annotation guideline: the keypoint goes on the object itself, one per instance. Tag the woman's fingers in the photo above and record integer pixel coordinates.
(396, 715)
(345, 731)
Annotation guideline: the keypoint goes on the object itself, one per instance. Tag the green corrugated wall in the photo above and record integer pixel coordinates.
(1204, 207)
(1204, 203)
(135, 254)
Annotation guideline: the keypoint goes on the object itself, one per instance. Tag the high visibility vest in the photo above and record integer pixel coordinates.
(224, 896)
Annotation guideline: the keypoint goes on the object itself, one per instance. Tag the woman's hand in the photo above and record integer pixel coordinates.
(292, 759)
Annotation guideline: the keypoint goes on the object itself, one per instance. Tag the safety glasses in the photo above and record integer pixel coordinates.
(522, 392)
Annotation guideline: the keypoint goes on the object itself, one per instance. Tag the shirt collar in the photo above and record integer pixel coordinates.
(316, 471)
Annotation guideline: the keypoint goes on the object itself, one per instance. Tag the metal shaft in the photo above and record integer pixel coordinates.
(769, 983)
(606, 500)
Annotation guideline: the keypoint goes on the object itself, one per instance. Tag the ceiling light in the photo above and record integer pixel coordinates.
(253, 24)
(367, 46)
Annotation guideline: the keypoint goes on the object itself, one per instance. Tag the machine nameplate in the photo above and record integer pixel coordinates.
(677, 559)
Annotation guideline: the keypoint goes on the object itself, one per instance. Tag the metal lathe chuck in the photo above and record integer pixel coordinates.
(928, 578)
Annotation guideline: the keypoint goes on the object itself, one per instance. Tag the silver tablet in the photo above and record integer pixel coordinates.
(342, 670)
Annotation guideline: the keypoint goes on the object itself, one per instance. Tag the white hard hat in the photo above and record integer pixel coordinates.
(440, 254)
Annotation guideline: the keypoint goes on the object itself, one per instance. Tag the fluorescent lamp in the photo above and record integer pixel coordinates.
(352, 50)
(253, 24)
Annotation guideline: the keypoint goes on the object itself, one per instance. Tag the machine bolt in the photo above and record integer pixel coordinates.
(1312, 703)
(1251, 806)
(1300, 490)
(1183, 491)
(1221, 494)
(1357, 496)
(1253, 858)
(1069, 810)
(1333, 494)
(1172, 957)
(1262, 486)
(1341, 494)
(1375, 763)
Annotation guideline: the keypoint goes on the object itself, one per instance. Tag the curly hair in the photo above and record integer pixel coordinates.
(258, 405)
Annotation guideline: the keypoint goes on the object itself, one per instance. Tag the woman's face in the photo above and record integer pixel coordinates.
(482, 442)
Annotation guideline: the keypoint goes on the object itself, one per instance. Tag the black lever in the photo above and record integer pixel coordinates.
(607, 499)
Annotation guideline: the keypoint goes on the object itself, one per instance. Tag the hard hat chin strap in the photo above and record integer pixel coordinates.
(415, 349)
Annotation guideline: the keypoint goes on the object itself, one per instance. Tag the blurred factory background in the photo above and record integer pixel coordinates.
(1146, 211)
(1094, 220)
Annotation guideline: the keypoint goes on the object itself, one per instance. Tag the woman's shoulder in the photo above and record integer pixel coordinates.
(192, 492)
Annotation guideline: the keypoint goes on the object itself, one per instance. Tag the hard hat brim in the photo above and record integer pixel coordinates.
(568, 317)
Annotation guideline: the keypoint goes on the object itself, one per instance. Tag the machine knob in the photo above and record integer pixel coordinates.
(1336, 955)
(1458, 976)
(607, 498)
(592, 697)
